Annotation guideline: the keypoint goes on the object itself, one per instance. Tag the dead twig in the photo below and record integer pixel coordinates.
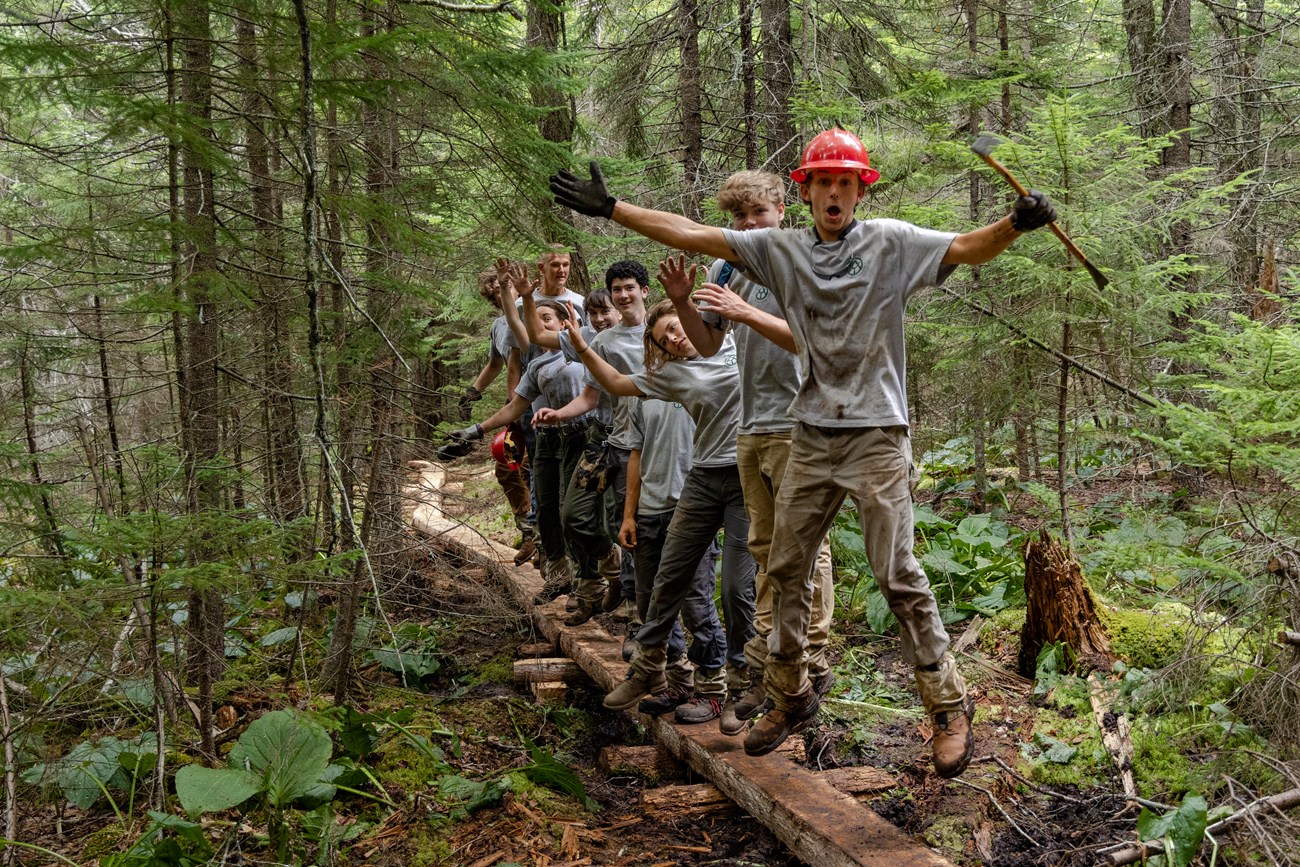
(996, 803)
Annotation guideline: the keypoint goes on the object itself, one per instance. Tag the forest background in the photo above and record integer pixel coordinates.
(240, 246)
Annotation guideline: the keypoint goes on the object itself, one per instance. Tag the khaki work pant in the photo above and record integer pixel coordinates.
(873, 467)
(761, 459)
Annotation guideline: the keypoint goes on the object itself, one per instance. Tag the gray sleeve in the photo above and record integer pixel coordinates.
(920, 255)
(754, 250)
(527, 387)
(651, 384)
(635, 434)
(566, 348)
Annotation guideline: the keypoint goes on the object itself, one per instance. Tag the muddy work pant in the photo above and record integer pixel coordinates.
(592, 518)
(515, 485)
(873, 467)
(711, 500)
(761, 460)
(651, 534)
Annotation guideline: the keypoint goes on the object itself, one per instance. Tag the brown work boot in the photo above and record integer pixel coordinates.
(628, 693)
(613, 596)
(527, 547)
(728, 722)
(954, 742)
(777, 725)
(581, 614)
(626, 610)
(752, 701)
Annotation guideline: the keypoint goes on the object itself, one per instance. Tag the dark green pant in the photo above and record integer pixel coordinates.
(558, 450)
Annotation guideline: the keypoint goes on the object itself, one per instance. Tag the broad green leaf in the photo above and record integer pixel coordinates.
(547, 770)
(288, 751)
(211, 790)
(1182, 829)
(279, 636)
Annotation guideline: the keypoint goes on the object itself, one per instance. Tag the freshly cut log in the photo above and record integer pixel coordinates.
(1059, 608)
(675, 801)
(547, 670)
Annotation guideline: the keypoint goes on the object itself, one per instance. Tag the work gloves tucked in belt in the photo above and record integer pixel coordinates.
(585, 197)
(1032, 211)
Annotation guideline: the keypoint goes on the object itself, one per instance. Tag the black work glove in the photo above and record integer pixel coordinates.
(452, 450)
(585, 197)
(1031, 212)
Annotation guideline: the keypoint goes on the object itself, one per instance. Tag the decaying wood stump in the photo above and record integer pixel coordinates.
(1059, 608)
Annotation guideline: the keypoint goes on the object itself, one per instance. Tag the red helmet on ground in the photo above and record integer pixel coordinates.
(508, 447)
(835, 149)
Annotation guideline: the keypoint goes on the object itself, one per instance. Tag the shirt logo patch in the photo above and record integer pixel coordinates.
(762, 293)
(730, 360)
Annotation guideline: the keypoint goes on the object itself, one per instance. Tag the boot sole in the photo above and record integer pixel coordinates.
(794, 728)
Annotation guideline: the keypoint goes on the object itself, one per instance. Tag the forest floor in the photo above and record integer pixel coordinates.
(464, 769)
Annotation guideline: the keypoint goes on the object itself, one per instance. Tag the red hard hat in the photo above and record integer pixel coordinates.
(508, 447)
(835, 149)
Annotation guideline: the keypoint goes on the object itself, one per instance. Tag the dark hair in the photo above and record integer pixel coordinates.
(599, 299)
(627, 268)
(561, 311)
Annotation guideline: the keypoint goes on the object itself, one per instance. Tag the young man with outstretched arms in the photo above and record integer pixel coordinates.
(843, 286)
(769, 383)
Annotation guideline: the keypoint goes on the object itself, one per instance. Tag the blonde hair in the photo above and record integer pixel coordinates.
(750, 187)
(656, 354)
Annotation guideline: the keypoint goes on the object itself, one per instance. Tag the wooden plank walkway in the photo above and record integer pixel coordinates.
(818, 823)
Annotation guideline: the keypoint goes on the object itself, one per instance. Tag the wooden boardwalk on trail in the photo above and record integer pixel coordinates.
(820, 824)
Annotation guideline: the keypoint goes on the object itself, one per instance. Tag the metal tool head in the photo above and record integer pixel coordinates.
(985, 144)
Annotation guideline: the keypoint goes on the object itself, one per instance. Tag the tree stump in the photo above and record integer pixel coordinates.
(1059, 608)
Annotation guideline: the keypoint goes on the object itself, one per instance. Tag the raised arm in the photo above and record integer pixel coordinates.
(727, 304)
(610, 379)
(584, 403)
(678, 282)
(672, 230)
(987, 242)
(512, 411)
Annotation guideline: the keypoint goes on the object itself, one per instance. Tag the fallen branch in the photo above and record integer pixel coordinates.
(1114, 733)
(1282, 801)
(1005, 814)
(1291, 638)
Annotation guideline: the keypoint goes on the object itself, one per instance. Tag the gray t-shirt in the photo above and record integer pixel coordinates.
(550, 381)
(709, 388)
(845, 303)
(500, 339)
(623, 347)
(663, 431)
(769, 375)
(568, 295)
(607, 402)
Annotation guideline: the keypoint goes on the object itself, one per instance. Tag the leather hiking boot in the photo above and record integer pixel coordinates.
(954, 742)
(573, 603)
(669, 699)
(824, 683)
(626, 695)
(777, 725)
(729, 723)
(581, 615)
(698, 710)
(527, 548)
(626, 611)
(752, 702)
(629, 644)
(613, 596)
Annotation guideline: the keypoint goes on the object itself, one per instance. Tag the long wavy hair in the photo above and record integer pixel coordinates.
(656, 354)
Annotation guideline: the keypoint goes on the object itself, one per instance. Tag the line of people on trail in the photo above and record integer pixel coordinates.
(753, 405)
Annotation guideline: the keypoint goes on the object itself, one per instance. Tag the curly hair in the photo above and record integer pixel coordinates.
(625, 268)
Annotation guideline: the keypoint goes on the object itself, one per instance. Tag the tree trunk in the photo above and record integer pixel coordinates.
(777, 72)
(205, 651)
(1059, 608)
(748, 85)
(1140, 37)
(285, 486)
(688, 83)
(51, 539)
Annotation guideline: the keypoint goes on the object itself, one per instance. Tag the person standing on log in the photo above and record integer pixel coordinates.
(843, 286)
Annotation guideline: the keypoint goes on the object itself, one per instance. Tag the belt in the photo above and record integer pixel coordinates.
(566, 429)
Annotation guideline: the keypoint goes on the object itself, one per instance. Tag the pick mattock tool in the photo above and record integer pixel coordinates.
(984, 147)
